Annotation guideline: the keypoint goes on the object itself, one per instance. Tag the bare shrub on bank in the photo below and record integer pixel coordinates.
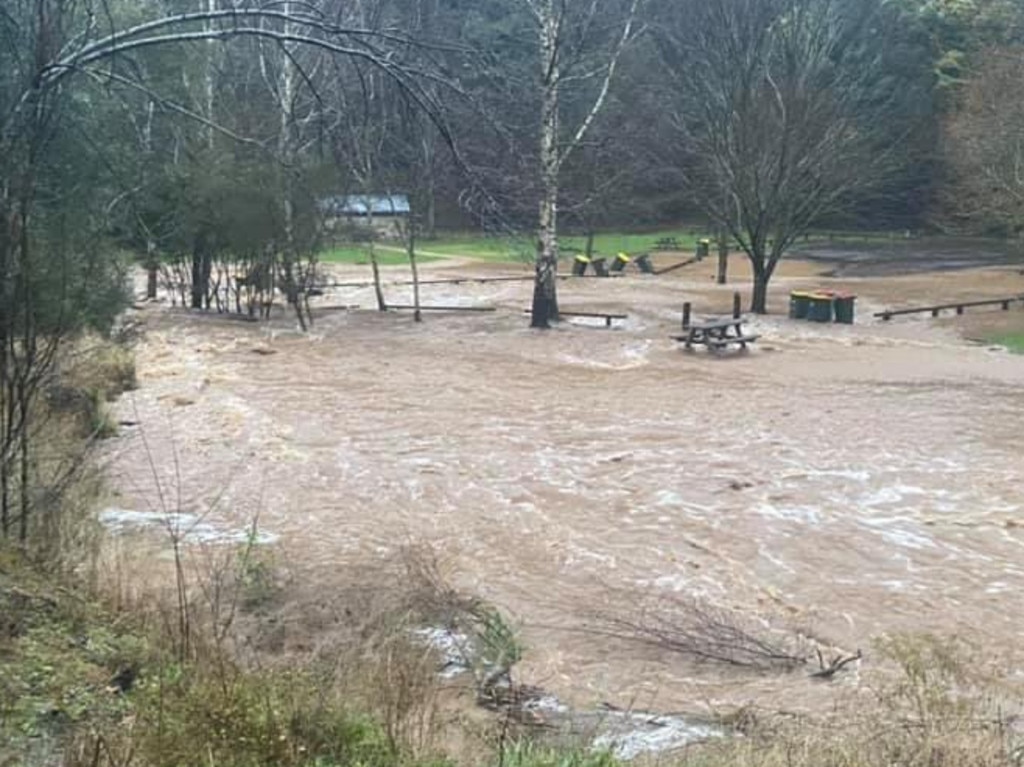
(696, 629)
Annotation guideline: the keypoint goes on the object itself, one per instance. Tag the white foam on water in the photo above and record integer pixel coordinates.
(900, 536)
(450, 645)
(850, 474)
(764, 552)
(807, 515)
(187, 528)
(890, 495)
(547, 704)
(634, 734)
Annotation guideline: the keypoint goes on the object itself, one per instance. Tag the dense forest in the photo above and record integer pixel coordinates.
(207, 132)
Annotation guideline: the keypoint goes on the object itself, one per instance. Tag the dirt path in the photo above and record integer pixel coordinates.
(850, 480)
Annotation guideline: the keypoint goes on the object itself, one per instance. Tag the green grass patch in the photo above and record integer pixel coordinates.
(58, 655)
(355, 254)
(521, 249)
(1012, 341)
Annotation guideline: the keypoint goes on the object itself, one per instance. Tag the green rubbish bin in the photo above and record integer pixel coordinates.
(600, 267)
(844, 307)
(703, 248)
(620, 262)
(799, 304)
(820, 307)
(643, 262)
(579, 266)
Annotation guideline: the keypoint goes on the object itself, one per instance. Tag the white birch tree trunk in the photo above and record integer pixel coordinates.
(558, 67)
(545, 297)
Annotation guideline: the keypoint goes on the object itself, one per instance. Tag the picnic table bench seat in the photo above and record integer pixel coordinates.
(717, 334)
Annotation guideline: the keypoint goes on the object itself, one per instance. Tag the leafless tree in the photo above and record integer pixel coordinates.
(48, 50)
(985, 146)
(576, 53)
(784, 112)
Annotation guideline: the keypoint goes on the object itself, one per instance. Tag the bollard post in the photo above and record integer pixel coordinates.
(736, 306)
(151, 275)
(686, 316)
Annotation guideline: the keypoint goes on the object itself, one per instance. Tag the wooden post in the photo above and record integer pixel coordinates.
(935, 312)
(960, 310)
(736, 306)
(686, 316)
(151, 274)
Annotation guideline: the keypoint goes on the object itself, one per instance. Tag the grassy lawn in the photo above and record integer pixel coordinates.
(1012, 341)
(355, 254)
(521, 249)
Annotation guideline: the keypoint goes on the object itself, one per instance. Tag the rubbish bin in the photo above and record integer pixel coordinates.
(620, 262)
(579, 266)
(844, 307)
(820, 307)
(643, 262)
(703, 248)
(600, 267)
(799, 304)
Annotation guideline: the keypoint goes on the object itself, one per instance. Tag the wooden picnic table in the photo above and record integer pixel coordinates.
(716, 334)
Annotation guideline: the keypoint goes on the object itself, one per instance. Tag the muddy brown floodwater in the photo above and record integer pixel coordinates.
(854, 480)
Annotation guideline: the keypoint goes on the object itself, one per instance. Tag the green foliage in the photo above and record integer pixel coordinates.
(274, 718)
(389, 255)
(499, 646)
(256, 573)
(1012, 341)
(526, 753)
(57, 656)
(958, 30)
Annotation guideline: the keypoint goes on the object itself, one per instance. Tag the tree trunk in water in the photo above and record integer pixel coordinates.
(723, 260)
(202, 266)
(759, 298)
(377, 289)
(545, 298)
(417, 316)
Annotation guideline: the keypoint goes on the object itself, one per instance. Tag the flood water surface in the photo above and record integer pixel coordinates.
(850, 481)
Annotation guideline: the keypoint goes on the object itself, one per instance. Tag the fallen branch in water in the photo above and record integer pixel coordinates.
(835, 664)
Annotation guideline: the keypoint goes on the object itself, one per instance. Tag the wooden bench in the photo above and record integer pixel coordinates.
(608, 317)
(667, 243)
(1004, 303)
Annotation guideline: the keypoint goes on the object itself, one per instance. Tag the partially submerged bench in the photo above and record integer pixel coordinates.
(608, 317)
(717, 334)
